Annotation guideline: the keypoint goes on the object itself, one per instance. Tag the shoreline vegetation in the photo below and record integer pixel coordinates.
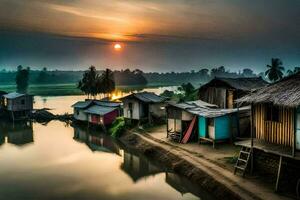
(69, 89)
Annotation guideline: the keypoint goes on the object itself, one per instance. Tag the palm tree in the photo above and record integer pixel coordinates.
(275, 70)
(107, 82)
(88, 83)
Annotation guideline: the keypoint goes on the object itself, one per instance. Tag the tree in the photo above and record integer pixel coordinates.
(93, 84)
(22, 78)
(275, 70)
(291, 72)
(89, 82)
(248, 72)
(43, 76)
(106, 82)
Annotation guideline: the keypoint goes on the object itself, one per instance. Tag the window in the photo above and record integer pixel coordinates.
(77, 112)
(23, 101)
(272, 113)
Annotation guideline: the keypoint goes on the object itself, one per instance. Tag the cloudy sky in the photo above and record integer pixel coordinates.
(156, 35)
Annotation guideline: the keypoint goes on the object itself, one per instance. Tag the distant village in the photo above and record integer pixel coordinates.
(261, 118)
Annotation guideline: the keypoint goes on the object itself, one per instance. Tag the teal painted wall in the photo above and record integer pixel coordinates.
(202, 126)
(222, 127)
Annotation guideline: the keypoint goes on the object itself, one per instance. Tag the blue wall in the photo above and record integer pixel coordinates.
(202, 126)
(222, 126)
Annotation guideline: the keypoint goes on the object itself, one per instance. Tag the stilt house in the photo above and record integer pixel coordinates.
(275, 120)
(18, 105)
(223, 91)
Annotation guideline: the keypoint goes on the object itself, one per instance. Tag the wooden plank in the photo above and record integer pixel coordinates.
(278, 174)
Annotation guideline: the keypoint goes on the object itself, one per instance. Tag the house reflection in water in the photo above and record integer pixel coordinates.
(96, 142)
(19, 134)
(184, 186)
(138, 167)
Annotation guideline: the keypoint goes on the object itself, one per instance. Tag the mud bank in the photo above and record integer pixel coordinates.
(180, 166)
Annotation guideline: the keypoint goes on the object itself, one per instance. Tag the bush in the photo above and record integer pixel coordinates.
(117, 127)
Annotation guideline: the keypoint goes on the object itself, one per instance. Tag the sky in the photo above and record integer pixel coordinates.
(155, 35)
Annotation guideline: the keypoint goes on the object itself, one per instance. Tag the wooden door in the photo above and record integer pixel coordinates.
(298, 129)
(229, 98)
(211, 128)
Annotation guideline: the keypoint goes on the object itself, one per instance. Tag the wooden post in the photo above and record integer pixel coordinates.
(278, 174)
(252, 134)
(295, 132)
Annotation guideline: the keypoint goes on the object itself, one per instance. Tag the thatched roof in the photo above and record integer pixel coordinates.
(283, 93)
(244, 84)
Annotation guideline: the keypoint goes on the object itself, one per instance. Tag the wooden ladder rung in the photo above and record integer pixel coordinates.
(241, 168)
(245, 152)
(243, 160)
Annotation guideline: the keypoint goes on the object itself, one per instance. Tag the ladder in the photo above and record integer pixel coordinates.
(243, 160)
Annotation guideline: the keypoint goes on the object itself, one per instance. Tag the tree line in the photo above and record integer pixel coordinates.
(23, 76)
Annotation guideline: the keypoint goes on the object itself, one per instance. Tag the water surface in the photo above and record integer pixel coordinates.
(56, 161)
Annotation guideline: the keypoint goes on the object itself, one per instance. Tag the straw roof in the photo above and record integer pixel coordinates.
(244, 84)
(283, 93)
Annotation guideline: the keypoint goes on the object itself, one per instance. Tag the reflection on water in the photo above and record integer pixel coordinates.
(62, 104)
(18, 134)
(73, 163)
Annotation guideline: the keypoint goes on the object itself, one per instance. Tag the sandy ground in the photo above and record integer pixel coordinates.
(204, 164)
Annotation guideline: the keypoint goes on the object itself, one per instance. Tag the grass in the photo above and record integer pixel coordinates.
(64, 89)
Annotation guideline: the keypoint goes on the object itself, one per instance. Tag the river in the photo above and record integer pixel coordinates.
(57, 161)
(62, 104)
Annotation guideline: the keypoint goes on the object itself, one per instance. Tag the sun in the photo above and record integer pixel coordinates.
(117, 46)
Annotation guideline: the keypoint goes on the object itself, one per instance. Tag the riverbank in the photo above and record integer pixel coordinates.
(210, 174)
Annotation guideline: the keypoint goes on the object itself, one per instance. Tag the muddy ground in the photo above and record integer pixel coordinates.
(178, 165)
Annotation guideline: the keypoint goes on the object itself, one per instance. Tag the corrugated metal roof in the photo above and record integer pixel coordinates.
(99, 110)
(107, 103)
(204, 109)
(193, 104)
(216, 112)
(13, 95)
(82, 104)
(148, 97)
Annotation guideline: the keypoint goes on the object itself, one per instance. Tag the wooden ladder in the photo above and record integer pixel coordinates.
(243, 160)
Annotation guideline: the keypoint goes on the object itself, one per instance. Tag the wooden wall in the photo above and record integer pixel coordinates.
(281, 132)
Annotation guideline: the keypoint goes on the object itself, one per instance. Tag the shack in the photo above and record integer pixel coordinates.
(94, 110)
(18, 105)
(223, 91)
(144, 106)
(207, 120)
(101, 115)
(179, 117)
(275, 117)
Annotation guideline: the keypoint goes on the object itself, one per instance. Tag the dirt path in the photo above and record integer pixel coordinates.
(209, 175)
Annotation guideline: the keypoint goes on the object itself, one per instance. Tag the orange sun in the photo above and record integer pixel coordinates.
(117, 47)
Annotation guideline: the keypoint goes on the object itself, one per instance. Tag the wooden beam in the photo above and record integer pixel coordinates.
(252, 134)
(278, 173)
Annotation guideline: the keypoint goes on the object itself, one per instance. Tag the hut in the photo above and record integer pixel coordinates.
(78, 110)
(93, 110)
(179, 117)
(275, 116)
(143, 106)
(207, 120)
(18, 105)
(101, 115)
(223, 91)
